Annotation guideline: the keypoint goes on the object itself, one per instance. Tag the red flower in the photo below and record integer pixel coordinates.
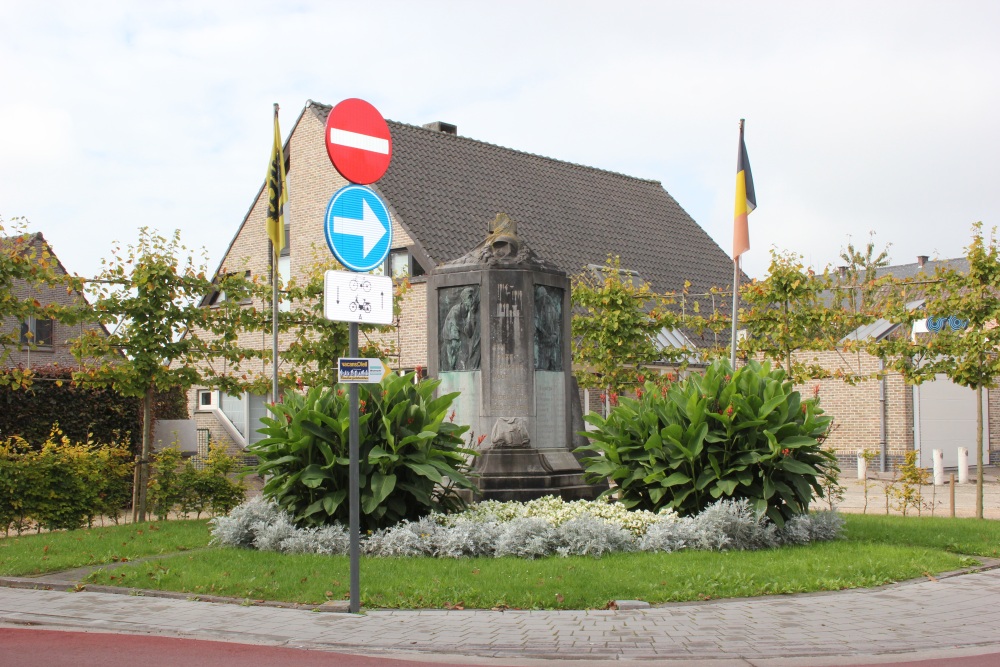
(786, 452)
(451, 417)
(614, 398)
(638, 392)
(642, 378)
(480, 439)
(729, 410)
(299, 383)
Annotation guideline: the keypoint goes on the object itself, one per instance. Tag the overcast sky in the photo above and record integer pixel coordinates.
(860, 116)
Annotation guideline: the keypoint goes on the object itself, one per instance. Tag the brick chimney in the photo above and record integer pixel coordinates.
(921, 260)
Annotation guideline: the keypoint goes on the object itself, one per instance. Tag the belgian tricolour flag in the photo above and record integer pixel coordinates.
(746, 200)
(277, 193)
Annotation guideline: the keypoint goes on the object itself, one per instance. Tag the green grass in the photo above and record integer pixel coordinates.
(877, 550)
(551, 583)
(974, 537)
(63, 550)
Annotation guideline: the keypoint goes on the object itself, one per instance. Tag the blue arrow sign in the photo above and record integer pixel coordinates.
(357, 228)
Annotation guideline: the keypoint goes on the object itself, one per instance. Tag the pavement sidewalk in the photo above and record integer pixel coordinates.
(944, 616)
(933, 617)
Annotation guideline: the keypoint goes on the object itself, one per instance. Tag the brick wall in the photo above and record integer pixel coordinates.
(856, 410)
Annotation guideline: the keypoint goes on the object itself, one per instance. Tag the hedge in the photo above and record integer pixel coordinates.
(101, 415)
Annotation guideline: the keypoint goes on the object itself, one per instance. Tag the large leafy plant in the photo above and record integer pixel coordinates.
(722, 434)
(413, 459)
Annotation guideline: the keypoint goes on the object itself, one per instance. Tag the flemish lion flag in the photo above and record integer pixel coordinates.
(277, 194)
(746, 200)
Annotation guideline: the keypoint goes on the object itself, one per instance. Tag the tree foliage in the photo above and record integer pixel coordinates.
(615, 328)
(967, 353)
(148, 295)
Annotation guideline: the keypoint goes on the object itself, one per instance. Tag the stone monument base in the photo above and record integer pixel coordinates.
(525, 473)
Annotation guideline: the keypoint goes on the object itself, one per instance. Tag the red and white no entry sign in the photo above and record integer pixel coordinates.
(358, 141)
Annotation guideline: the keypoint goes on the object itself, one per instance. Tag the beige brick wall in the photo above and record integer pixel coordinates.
(856, 409)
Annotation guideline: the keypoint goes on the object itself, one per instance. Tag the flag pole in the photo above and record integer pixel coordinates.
(736, 304)
(274, 296)
(746, 202)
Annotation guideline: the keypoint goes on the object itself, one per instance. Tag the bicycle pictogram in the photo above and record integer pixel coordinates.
(365, 284)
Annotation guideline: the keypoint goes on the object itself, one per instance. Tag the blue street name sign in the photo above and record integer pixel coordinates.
(357, 228)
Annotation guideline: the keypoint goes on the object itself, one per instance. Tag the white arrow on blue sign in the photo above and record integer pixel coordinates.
(358, 229)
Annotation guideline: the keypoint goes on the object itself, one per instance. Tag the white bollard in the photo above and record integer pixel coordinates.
(938, 457)
(862, 465)
(963, 465)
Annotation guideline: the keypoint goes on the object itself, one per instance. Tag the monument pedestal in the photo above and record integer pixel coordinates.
(499, 333)
(526, 474)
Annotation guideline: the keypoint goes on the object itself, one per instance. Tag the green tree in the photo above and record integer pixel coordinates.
(147, 295)
(793, 310)
(967, 354)
(615, 325)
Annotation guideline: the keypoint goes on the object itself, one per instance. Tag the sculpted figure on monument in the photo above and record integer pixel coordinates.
(548, 328)
(460, 335)
(510, 432)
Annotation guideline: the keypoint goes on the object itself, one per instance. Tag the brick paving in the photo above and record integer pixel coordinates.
(949, 615)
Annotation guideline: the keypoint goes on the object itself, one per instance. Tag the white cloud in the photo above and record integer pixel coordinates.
(860, 116)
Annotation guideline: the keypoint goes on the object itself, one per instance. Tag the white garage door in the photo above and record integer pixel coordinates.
(945, 418)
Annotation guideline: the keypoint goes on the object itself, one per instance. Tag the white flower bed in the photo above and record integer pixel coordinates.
(544, 527)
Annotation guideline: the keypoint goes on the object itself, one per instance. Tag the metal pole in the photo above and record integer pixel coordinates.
(274, 325)
(736, 297)
(353, 493)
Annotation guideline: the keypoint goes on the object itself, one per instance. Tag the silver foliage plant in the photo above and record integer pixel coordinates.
(507, 530)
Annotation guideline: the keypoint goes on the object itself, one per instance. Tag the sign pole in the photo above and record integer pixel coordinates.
(353, 493)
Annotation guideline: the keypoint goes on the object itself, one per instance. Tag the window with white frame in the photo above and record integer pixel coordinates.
(206, 400)
(285, 273)
(402, 264)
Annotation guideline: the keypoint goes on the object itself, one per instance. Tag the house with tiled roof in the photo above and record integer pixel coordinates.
(443, 190)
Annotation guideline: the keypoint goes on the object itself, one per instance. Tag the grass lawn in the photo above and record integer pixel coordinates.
(876, 550)
(62, 550)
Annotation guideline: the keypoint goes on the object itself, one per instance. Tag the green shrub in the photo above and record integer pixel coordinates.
(187, 489)
(746, 434)
(412, 459)
(61, 485)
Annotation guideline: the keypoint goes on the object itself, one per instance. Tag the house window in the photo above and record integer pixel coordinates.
(402, 263)
(220, 296)
(37, 332)
(285, 273)
(206, 400)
